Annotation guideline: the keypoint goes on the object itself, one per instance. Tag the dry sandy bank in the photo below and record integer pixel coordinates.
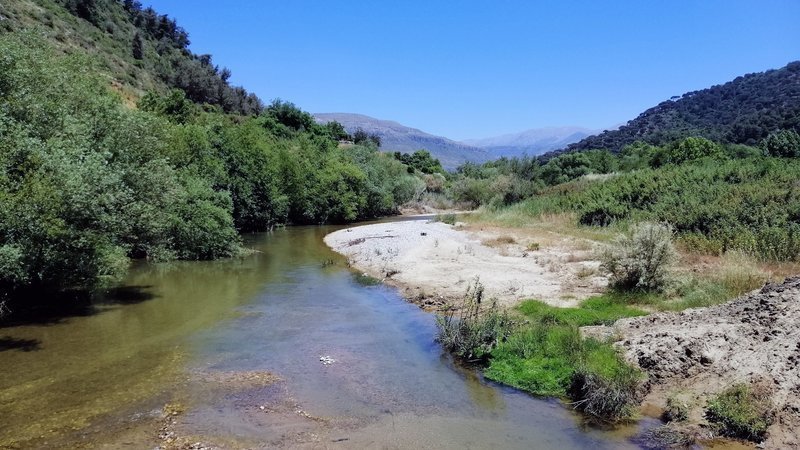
(432, 263)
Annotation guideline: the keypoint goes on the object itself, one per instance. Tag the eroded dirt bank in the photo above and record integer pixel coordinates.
(697, 353)
(432, 263)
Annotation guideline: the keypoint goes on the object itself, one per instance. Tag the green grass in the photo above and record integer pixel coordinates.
(601, 310)
(741, 411)
(547, 354)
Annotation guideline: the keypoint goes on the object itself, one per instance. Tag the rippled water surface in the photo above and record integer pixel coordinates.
(193, 335)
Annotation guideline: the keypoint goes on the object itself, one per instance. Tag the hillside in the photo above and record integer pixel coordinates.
(742, 111)
(397, 137)
(531, 142)
(137, 48)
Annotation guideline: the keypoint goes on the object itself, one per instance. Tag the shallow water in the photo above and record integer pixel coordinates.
(95, 379)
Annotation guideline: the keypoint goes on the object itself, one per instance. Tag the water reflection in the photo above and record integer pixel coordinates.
(277, 310)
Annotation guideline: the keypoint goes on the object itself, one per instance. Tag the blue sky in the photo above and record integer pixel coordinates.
(472, 69)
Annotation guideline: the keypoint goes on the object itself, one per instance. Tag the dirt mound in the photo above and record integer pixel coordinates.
(700, 352)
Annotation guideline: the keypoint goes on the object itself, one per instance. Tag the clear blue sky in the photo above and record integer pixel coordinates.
(471, 69)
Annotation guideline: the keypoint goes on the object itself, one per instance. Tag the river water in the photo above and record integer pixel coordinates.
(199, 339)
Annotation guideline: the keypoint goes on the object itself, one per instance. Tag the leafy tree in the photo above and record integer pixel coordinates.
(566, 167)
(688, 149)
(175, 106)
(782, 144)
(289, 115)
(637, 155)
(361, 137)
(420, 160)
(336, 130)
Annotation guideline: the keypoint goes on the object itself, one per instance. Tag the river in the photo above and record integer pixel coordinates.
(231, 351)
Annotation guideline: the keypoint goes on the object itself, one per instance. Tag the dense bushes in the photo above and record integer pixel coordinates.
(751, 205)
(87, 183)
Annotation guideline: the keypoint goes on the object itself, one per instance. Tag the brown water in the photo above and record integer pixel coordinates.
(190, 334)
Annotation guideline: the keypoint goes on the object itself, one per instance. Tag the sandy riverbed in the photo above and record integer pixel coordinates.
(433, 263)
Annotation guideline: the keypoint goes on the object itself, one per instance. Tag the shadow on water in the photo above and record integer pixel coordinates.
(23, 345)
(42, 307)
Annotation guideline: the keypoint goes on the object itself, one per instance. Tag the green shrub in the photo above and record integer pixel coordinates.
(475, 330)
(641, 259)
(741, 411)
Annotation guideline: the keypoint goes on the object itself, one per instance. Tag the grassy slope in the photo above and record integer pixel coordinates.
(110, 43)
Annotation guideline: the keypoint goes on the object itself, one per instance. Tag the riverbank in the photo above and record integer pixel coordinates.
(690, 357)
(432, 263)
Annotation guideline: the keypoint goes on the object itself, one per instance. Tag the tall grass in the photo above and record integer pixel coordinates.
(474, 329)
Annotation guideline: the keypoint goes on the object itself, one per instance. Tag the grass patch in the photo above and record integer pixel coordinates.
(741, 411)
(601, 310)
(449, 219)
(548, 356)
(500, 241)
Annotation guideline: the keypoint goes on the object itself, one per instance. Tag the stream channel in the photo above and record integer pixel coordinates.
(227, 354)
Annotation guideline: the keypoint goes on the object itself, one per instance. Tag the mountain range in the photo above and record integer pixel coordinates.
(397, 137)
(531, 142)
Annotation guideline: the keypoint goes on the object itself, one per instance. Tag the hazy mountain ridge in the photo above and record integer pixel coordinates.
(531, 142)
(397, 137)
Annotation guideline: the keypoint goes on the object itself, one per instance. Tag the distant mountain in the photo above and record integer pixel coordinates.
(397, 137)
(531, 142)
(742, 111)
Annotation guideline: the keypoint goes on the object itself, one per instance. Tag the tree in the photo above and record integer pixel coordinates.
(689, 149)
(336, 131)
(137, 46)
(782, 144)
(420, 160)
(289, 115)
(362, 137)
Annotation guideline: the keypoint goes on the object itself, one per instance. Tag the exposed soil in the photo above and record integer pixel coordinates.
(433, 263)
(699, 352)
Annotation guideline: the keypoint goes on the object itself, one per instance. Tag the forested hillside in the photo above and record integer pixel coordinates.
(742, 111)
(138, 48)
(89, 180)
